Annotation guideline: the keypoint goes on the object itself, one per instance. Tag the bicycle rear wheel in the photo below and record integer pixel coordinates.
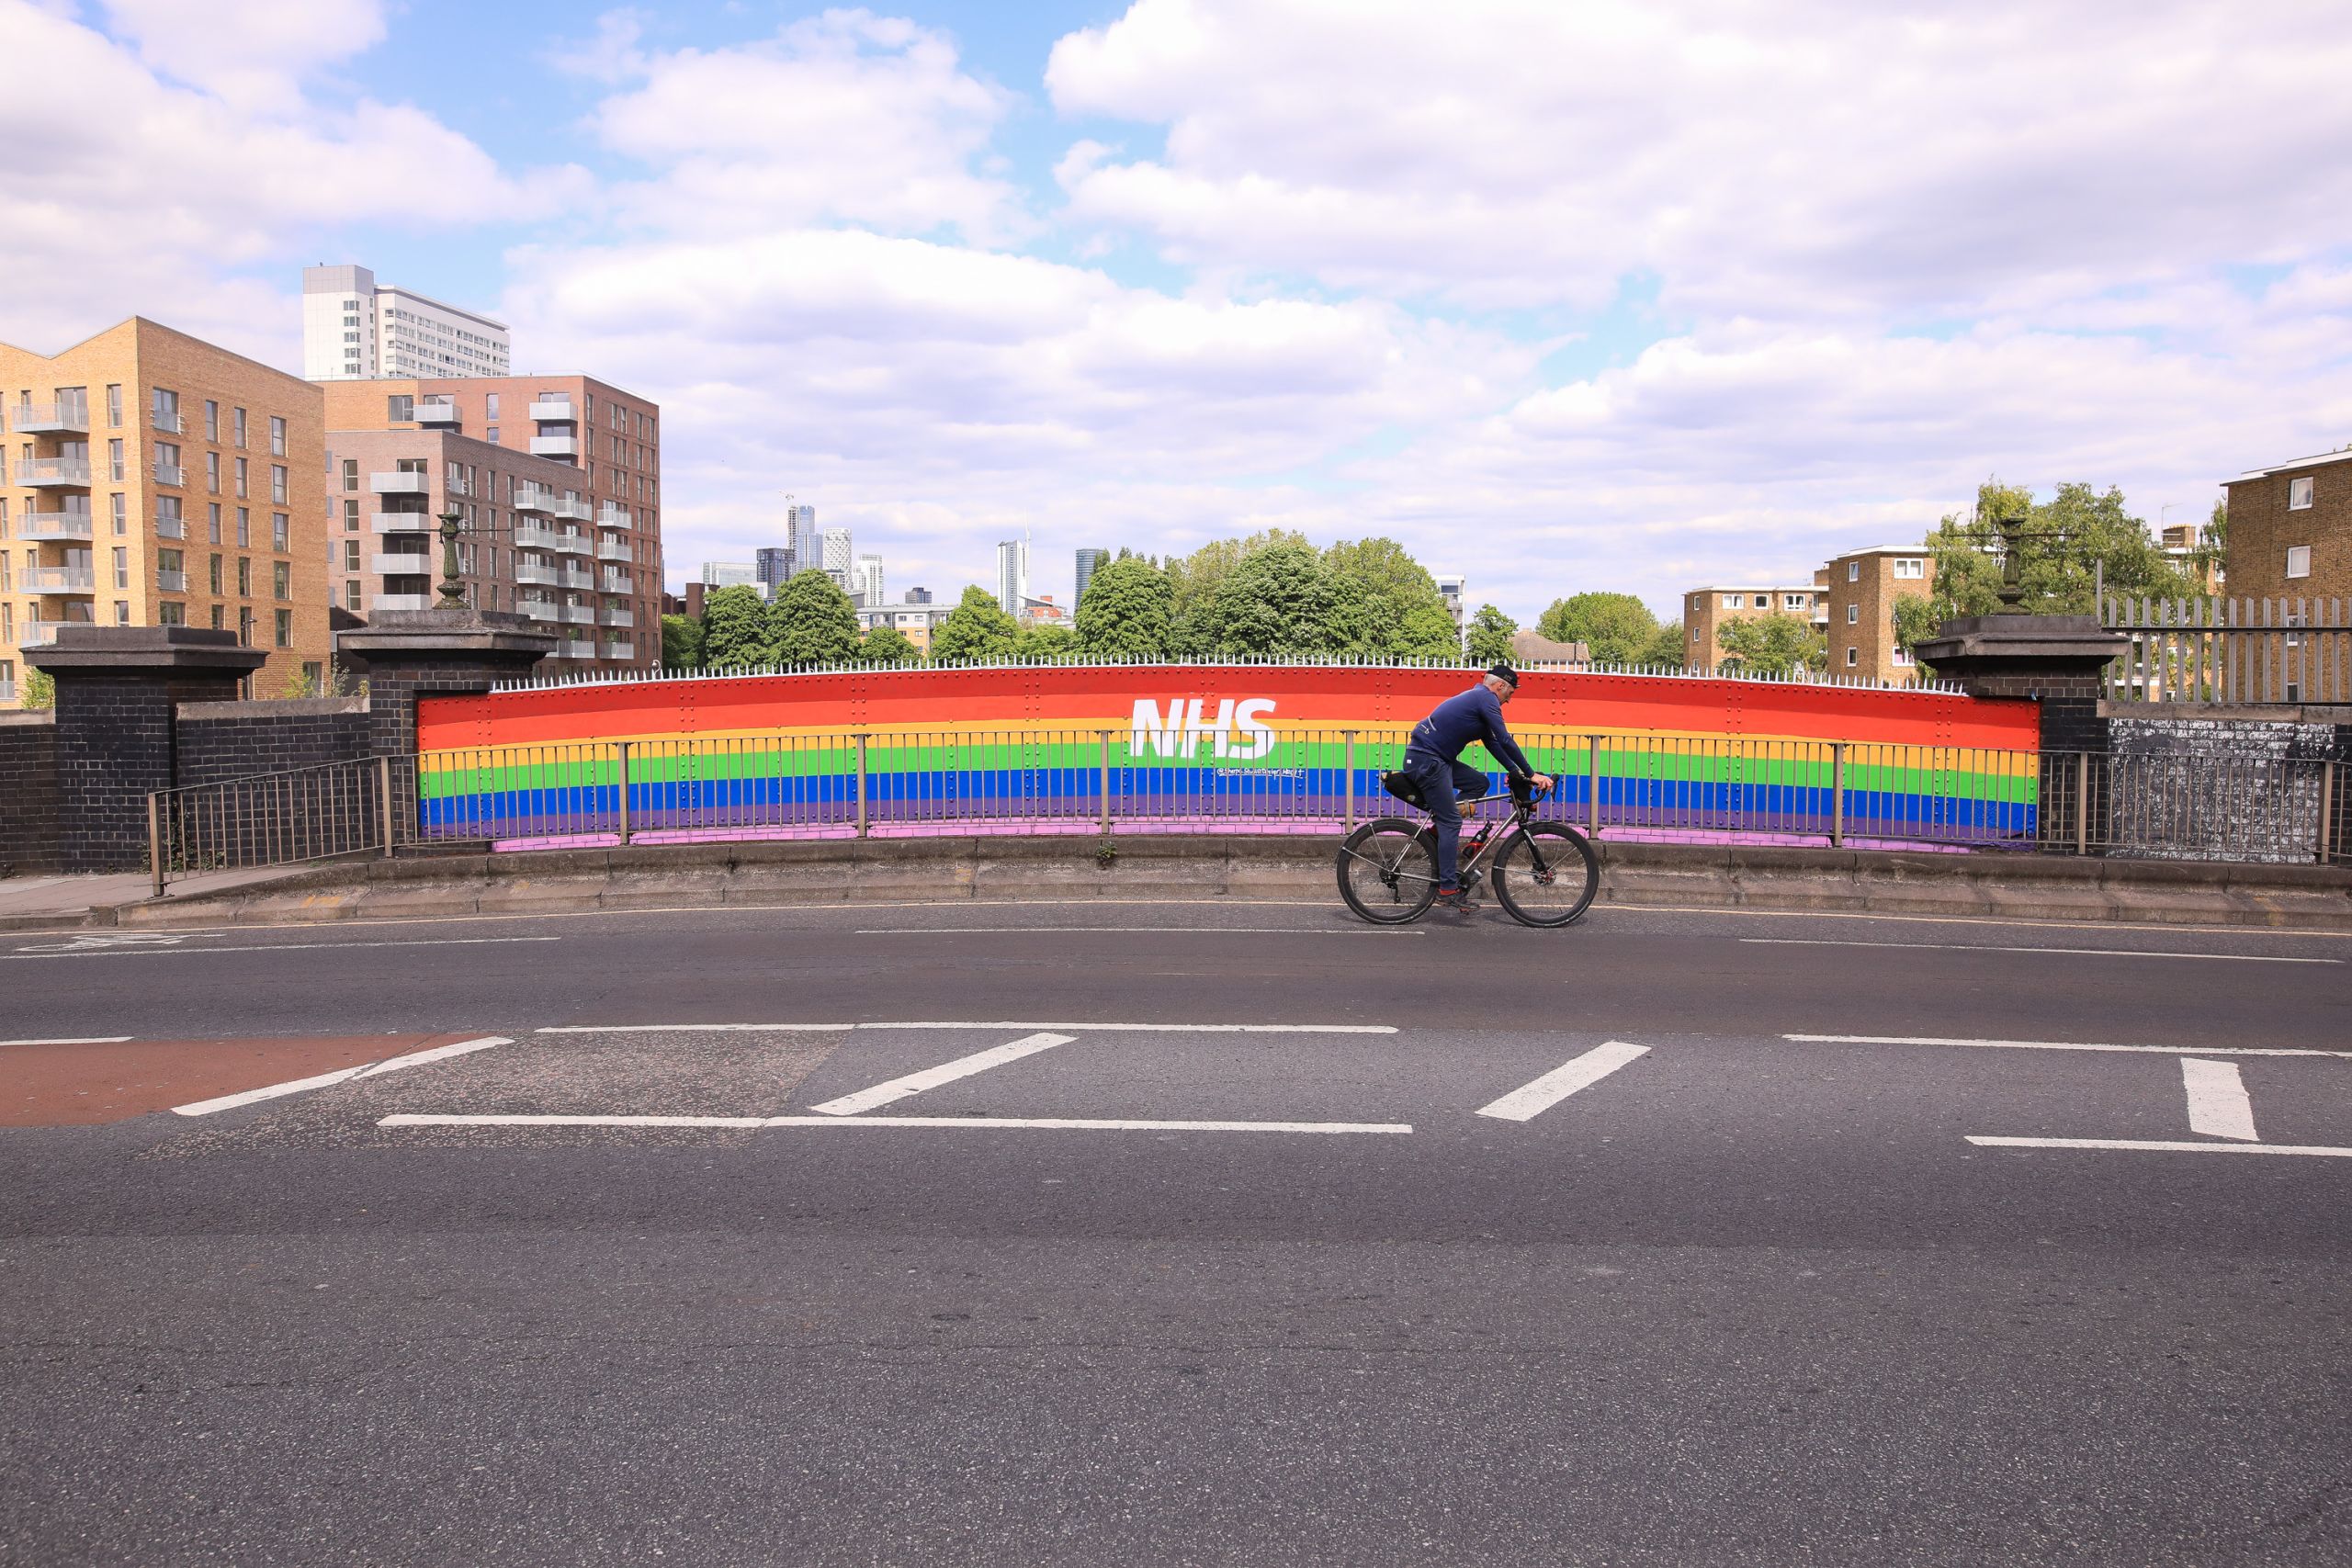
(1388, 870)
(1546, 875)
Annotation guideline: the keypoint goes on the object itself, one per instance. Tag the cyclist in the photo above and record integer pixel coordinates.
(1432, 760)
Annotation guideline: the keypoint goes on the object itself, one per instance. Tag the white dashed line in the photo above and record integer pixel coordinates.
(2067, 952)
(978, 1124)
(2314, 1150)
(932, 1077)
(1083, 931)
(2062, 1046)
(2218, 1106)
(74, 1040)
(271, 947)
(342, 1075)
(1530, 1100)
(830, 1027)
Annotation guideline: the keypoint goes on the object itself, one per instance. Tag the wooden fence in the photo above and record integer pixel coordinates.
(2231, 650)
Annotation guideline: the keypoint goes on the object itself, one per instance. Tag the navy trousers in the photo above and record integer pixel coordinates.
(1439, 782)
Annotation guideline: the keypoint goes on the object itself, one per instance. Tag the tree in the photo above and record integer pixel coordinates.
(1614, 628)
(889, 644)
(1771, 645)
(681, 643)
(1196, 579)
(1046, 639)
(975, 629)
(811, 621)
(735, 630)
(1385, 605)
(1669, 650)
(1490, 635)
(1277, 602)
(1126, 611)
(41, 690)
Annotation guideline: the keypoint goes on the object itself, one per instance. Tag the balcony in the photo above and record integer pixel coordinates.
(58, 579)
(174, 475)
(439, 412)
(555, 445)
(531, 536)
(576, 616)
(537, 609)
(52, 419)
(620, 650)
(171, 582)
(611, 516)
(72, 473)
(615, 550)
(617, 618)
(531, 498)
(168, 422)
(401, 563)
(401, 601)
(168, 528)
(554, 411)
(42, 526)
(572, 649)
(613, 581)
(533, 572)
(43, 634)
(401, 484)
(573, 577)
(571, 510)
(403, 522)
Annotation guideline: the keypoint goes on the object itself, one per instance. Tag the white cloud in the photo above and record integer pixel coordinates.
(254, 54)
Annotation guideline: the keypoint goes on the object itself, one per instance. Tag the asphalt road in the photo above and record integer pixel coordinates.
(1466, 1244)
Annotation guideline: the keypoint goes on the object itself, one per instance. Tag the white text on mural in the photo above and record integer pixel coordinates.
(1238, 730)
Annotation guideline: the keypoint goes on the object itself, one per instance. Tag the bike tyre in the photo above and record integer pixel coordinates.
(1411, 886)
(1567, 855)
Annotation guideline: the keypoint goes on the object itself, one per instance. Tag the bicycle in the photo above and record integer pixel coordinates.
(1544, 873)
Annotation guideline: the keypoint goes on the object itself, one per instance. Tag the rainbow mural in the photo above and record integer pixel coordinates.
(1035, 746)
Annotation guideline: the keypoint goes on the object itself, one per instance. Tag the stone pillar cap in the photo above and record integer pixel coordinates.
(131, 649)
(493, 635)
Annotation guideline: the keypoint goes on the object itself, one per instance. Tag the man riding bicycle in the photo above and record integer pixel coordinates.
(1432, 760)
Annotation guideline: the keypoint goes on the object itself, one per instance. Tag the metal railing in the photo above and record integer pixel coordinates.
(365, 806)
(2231, 650)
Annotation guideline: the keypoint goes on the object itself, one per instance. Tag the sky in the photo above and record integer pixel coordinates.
(1562, 295)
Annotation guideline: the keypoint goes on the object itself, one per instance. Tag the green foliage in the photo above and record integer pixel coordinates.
(811, 621)
(1915, 620)
(2212, 553)
(681, 643)
(1668, 649)
(1046, 639)
(1127, 610)
(2075, 538)
(1196, 579)
(1616, 628)
(976, 629)
(1276, 603)
(1490, 635)
(735, 630)
(889, 644)
(1771, 645)
(299, 683)
(1385, 604)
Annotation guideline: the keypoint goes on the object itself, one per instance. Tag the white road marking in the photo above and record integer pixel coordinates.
(1042, 1123)
(823, 1028)
(2218, 1105)
(2062, 1046)
(932, 1077)
(2319, 1151)
(342, 1075)
(2070, 951)
(94, 941)
(1082, 930)
(1529, 1101)
(74, 1040)
(269, 947)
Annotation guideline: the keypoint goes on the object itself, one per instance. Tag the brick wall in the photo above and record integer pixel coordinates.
(116, 743)
(29, 833)
(226, 740)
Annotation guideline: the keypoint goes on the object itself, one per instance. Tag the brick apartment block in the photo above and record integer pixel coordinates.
(1861, 589)
(2291, 529)
(1706, 611)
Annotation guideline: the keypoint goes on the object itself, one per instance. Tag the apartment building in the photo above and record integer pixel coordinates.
(154, 478)
(1089, 562)
(1861, 590)
(1707, 611)
(556, 481)
(2291, 529)
(918, 618)
(356, 330)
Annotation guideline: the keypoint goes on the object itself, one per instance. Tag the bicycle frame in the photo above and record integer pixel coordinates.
(1521, 813)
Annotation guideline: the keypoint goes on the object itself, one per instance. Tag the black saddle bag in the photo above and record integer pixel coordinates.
(1402, 786)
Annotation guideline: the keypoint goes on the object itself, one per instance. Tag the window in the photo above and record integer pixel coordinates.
(114, 408)
(1694, 632)
(351, 473)
(237, 427)
(351, 595)
(121, 567)
(166, 410)
(244, 528)
(281, 579)
(244, 478)
(1853, 657)
(351, 555)
(279, 529)
(167, 463)
(490, 405)
(245, 627)
(1910, 566)
(1796, 600)
(119, 509)
(212, 472)
(278, 483)
(121, 612)
(1853, 613)
(114, 460)
(1733, 601)
(214, 575)
(2298, 493)
(493, 435)
(212, 526)
(1763, 600)
(211, 420)
(401, 408)
(1901, 654)
(245, 577)
(217, 611)
(277, 436)
(2299, 561)
(1853, 571)
(351, 517)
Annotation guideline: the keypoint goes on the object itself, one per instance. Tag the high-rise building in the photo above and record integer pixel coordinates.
(1089, 562)
(354, 329)
(772, 567)
(837, 556)
(730, 575)
(160, 480)
(1012, 574)
(556, 481)
(800, 527)
(1455, 589)
(918, 595)
(866, 581)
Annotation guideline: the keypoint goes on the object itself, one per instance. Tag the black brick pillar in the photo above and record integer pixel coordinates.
(2057, 661)
(118, 691)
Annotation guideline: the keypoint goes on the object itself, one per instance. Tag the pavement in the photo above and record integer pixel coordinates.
(41, 902)
(1175, 1232)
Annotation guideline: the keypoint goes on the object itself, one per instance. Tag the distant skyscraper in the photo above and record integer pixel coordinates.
(730, 575)
(1089, 562)
(800, 526)
(836, 548)
(1012, 574)
(866, 579)
(775, 566)
(354, 329)
(918, 595)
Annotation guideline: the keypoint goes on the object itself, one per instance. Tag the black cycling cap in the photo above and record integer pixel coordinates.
(1503, 672)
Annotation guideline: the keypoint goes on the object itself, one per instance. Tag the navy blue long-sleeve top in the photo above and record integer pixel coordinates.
(1476, 714)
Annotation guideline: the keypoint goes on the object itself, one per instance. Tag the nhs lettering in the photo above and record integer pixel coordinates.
(1237, 728)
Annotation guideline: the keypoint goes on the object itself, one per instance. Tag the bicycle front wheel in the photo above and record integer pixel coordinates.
(1546, 875)
(1388, 870)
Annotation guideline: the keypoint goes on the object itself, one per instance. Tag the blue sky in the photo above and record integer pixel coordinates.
(1562, 295)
